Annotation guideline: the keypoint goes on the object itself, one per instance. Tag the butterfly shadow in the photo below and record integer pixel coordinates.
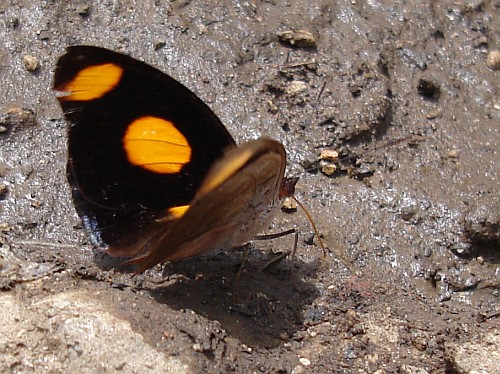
(261, 308)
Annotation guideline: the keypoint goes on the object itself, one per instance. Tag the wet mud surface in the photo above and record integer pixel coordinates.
(406, 94)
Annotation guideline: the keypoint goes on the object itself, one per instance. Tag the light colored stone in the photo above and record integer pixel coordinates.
(493, 60)
(480, 356)
(73, 332)
(30, 62)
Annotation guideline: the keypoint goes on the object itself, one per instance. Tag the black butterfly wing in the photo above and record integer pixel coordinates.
(102, 94)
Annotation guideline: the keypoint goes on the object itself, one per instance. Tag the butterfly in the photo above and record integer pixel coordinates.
(154, 173)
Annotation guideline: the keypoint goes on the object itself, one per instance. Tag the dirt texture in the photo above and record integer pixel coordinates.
(405, 92)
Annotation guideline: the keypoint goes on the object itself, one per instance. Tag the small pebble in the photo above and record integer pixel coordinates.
(30, 62)
(36, 204)
(246, 348)
(481, 221)
(298, 38)
(159, 44)
(289, 205)
(480, 41)
(284, 336)
(327, 168)
(13, 22)
(43, 34)
(408, 212)
(3, 190)
(305, 361)
(15, 117)
(299, 369)
(273, 108)
(493, 60)
(296, 87)
(120, 366)
(434, 114)
(329, 155)
(84, 10)
(453, 154)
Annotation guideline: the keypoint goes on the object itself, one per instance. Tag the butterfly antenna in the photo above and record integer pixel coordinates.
(309, 217)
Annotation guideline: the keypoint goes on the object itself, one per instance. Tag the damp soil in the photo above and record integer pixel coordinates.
(405, 93)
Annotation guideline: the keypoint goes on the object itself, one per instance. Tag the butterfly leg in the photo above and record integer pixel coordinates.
(277, 259)
(243, 258)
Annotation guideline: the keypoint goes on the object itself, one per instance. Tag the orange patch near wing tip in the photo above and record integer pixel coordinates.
(173, 213)
(92, 82)
(156, 145)
(178, 211)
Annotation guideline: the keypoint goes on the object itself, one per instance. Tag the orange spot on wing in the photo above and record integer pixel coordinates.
(92, 83)
(156, 145)
(178, 211)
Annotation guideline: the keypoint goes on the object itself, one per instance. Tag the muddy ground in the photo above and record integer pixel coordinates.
(405, 92)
